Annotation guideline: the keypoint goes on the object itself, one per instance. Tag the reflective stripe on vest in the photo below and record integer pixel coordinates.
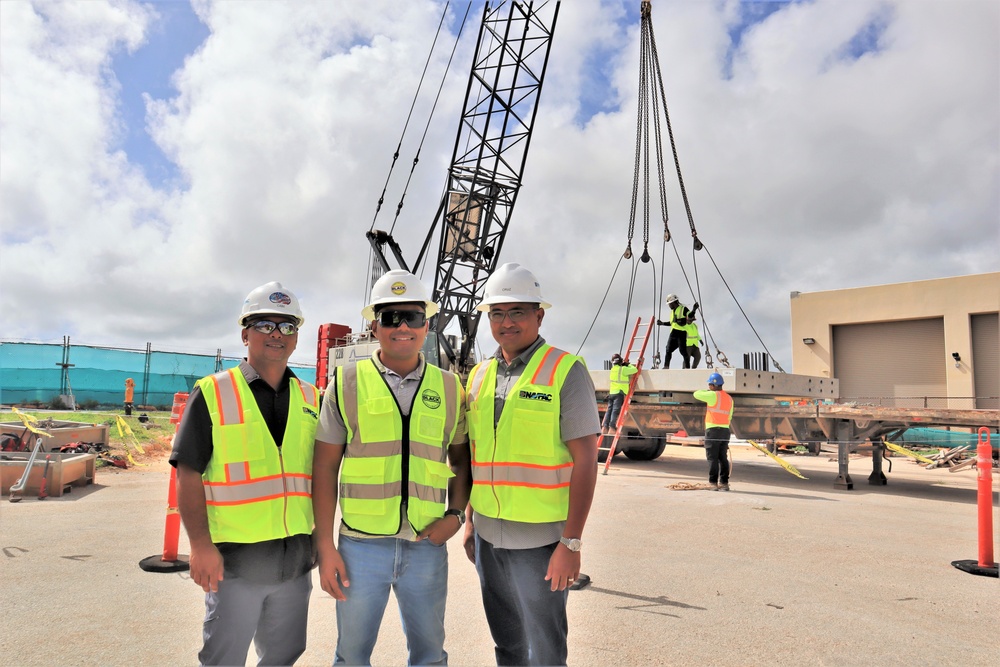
(619, 381)
(521, 469)
(255, 491)
(693, 337)
(371, 476)
(720, 414)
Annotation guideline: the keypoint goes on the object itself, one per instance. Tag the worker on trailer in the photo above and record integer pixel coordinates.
(243, 453)
(390, 425)
(621, 376)
(677, 340)
(718, 416)
(693, 339)
(533, 425)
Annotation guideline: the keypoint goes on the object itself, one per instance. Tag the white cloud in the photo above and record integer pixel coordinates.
(805, 171)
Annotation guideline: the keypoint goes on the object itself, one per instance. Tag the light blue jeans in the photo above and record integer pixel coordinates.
(417, 572)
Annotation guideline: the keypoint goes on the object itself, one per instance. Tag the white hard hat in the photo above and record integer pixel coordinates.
(512, 283)
(271, 299)
(671, 298)
(398, 286)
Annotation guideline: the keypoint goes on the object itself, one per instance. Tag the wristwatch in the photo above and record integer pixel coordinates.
(572, 544)
(459, 513)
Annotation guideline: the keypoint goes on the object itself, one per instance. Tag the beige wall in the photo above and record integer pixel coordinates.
(814, 314)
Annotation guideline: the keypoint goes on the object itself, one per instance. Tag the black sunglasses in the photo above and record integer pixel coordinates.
(266, 327)
(393, 318)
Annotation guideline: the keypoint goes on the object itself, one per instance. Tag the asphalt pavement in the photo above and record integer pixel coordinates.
(778, 571)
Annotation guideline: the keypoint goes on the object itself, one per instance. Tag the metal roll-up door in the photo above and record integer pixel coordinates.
(986, 360)
(900, 364)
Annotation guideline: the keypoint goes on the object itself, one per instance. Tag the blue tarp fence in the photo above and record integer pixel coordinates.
(34, 373)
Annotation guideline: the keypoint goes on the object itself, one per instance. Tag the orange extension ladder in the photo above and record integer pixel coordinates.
(640, 336)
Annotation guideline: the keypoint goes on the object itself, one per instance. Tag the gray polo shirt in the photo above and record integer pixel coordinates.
(332, 429)
(577, 418)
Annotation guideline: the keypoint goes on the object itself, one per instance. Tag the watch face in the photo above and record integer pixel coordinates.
(572, 544)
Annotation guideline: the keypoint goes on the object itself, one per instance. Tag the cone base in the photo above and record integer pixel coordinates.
(157, 564)
(973, 567)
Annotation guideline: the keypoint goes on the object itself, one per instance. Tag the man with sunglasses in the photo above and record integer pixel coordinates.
(389, 428)
(243, 454)
(533, 425)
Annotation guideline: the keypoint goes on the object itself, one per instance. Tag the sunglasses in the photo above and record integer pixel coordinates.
(266, 327)
(393, 318)
(515, 315)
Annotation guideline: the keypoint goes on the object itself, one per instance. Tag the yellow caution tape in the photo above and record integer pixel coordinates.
(783, 463)
(28, 421)
(122, 424)
(906, 452)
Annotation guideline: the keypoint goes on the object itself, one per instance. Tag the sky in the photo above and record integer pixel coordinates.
(159, 160)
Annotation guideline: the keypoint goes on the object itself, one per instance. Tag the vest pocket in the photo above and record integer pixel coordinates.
(240, 442)
(533, 435)
(430, 427)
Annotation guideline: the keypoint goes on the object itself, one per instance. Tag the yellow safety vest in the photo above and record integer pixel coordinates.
(677, 314)
(374, 475)
(255, 491)
(721, 414)
(693, 337)
(621, 378)
(520, 468)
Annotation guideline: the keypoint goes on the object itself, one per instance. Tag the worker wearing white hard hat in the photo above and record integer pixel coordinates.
(534, 423)
(677, 339)
(243, 453)
(392, 431)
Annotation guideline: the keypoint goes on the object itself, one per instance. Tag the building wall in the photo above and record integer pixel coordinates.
(954, 300)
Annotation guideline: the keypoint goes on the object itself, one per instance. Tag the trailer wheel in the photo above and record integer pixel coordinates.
(650, 453)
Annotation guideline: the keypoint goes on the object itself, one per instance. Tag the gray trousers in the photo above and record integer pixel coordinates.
(274, 616)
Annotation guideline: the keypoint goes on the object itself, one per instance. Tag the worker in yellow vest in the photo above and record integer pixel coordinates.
(677, 340)
(533, 425)
(243, 453)
(393, 430)
(718, 416)
(620, 379)
(693, 340)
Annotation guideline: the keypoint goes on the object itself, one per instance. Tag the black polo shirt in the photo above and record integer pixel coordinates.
(272, 561)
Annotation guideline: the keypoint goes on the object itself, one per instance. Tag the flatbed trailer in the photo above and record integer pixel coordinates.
(769, 407)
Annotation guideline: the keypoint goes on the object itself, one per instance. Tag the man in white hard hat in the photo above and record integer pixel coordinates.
(389, 428)
(677, 340)
(533, 424)
(243, 454)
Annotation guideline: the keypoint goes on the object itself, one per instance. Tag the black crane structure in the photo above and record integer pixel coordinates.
(491, 149)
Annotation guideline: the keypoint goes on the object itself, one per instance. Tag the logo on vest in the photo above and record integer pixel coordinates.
(309, 412)
(431, 399)
(536, 396)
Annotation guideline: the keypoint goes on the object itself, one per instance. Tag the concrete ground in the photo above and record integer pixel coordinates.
(779, 571)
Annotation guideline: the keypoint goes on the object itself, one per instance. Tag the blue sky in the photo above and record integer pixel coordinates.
(173, 35)
(813, 156)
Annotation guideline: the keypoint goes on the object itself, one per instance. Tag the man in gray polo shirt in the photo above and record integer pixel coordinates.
(533, 424)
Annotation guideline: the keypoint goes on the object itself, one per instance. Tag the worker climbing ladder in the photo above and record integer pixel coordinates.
(636, 344)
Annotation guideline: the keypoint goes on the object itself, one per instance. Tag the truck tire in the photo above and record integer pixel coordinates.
(603, 443)
(648, 453)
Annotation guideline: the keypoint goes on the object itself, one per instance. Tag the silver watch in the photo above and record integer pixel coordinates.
(459, 513)
(573, 544)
